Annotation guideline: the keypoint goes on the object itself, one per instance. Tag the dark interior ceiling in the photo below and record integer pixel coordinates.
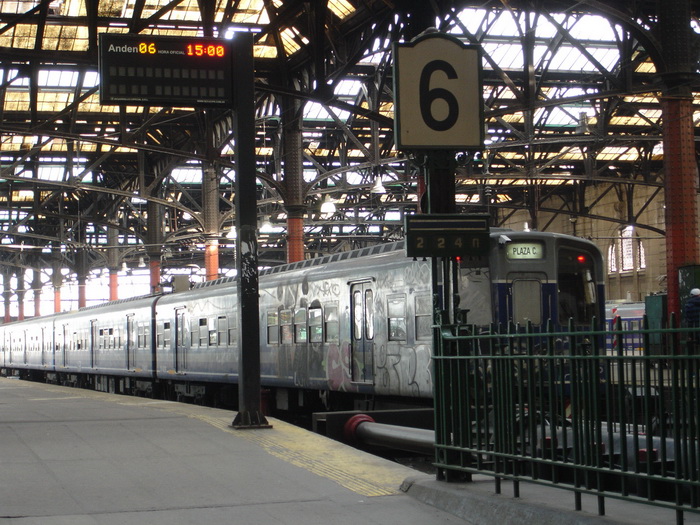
(565, 108)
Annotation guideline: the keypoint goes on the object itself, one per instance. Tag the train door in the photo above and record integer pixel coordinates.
(61, 346)
(578, 299)
(130, 342)
(362, 337)
(180, 346)
(42, 346)
(25, 344)
(526, 300)
(92, 347)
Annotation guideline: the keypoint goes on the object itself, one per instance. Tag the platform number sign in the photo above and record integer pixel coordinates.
(437, 94)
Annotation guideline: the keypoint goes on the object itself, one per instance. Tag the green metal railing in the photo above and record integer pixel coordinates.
(595, 411)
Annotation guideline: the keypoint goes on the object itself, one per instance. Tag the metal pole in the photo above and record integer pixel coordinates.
(249, 399)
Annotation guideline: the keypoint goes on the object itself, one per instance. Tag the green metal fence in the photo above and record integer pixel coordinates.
(599, 411)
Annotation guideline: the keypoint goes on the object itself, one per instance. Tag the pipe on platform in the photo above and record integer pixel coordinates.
(362, 429)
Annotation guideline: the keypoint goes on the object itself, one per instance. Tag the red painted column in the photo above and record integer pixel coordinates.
(681, 188)
(20, 305)
(154, 266)
(295, 239)
(57, 300)
(113, 284)
(37, 302)
(421, 192)
(82, 296)
(211, 259)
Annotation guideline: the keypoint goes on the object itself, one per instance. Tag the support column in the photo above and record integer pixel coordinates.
(681, 194)
(292, 148)
(249, 396)
(20, 294)
(36, 287)
(210, 190)
(113, 284)
(82, 271)
(154, 270)
(57, 299)
(56, 277)
(680, 165)
(113, 257)
(82, 295)
(295, 236)
(6, 295)
(154, 242)
(211, 259)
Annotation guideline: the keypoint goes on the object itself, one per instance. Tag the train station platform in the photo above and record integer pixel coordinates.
(79, 457)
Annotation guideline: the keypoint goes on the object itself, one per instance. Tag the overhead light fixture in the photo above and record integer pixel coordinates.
(266, 225)
(327, 206)
(582, 123)
(377, 187)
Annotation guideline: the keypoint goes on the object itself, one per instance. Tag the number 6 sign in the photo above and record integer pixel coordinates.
(438, 100)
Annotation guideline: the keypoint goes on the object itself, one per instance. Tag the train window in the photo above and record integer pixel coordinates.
(369, 314)
(141, 335)
(396, 308)
(194, 332)
(222, 328)
(203, 331)
(232, 322)
(300, 334)
(286, 326)
(357, 317)
(332, 324)
(527, 301)
(166, 335)
(130, 335)
(424, 317)
(576, 286)
(315, 325)
(213, 333)
(273, 329)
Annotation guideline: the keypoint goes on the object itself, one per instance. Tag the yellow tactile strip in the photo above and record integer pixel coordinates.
(350, 468)
(357, 471)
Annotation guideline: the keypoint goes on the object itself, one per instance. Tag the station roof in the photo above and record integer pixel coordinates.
(571, 94)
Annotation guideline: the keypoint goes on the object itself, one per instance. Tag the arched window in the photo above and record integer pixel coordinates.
(626, 252)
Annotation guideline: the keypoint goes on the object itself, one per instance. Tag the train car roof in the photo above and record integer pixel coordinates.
(316, 261)
(376, 250)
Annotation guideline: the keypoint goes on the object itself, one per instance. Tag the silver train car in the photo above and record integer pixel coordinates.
(336, 329)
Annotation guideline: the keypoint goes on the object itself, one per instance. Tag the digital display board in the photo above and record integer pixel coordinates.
(446, 235)
(165, 70)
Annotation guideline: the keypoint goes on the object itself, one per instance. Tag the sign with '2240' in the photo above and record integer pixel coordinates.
(438, 94)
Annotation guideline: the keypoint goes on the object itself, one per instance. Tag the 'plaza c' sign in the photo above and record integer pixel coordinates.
(438, 94)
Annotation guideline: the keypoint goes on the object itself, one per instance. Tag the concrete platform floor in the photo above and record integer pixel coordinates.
(79, 457)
